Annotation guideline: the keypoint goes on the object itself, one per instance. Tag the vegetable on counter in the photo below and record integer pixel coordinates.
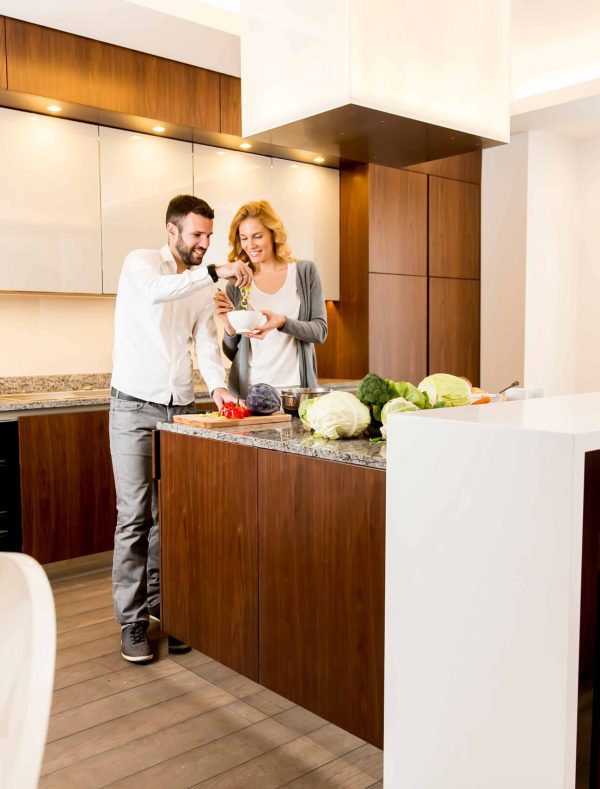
(263, 399)
(450, 389)
(231, 410)
(395, 406)
(335, 415)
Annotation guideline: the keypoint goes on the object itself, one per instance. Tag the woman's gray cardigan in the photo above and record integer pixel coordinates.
(311, 327)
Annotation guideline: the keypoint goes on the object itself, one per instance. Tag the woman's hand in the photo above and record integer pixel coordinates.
(224, 305)
(274, 321)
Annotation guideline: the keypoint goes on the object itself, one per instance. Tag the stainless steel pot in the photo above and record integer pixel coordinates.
(291, 398)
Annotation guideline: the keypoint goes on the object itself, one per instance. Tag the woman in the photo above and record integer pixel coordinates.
(287, 291)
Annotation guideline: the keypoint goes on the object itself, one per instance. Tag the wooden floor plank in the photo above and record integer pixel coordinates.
(333, 775)
(81, 635)
(183, 721)
(275, 768)
(212, 759)
(80, 718)
(114, 733)
(104, 614)
(100, 646)
(88, 669)
(147, 751)
(107, 685)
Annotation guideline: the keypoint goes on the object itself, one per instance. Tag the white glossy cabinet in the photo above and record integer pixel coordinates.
(305, 196)
(49, 205)
(139, 174)
(226, 180)
(76, 198)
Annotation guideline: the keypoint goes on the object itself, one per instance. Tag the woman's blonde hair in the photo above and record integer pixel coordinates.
(265, 213)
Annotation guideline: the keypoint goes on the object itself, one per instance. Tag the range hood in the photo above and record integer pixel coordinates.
(386, 81)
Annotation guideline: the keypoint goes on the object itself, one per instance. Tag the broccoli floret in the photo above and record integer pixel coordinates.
(373, 390)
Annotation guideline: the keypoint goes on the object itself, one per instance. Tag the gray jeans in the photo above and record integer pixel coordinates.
(136, 575)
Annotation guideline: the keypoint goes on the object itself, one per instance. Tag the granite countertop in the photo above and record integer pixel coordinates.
(292, 437)
(72, 399)
(77, 398)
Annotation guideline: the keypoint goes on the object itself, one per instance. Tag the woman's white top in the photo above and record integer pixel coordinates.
(274, 360)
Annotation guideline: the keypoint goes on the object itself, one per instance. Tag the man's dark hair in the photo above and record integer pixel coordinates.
(182, 205)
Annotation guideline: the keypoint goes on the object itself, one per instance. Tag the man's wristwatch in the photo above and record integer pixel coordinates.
(212, 272)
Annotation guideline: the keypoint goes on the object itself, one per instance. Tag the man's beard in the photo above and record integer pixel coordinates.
(186, 253)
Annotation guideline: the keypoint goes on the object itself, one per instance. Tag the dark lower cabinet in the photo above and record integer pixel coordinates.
(67, 489)
(10, 498)
(209, 570)
(321, 580)
(273, 564)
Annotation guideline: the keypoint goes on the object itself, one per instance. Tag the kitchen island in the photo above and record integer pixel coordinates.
(272, 561)
(491, 596)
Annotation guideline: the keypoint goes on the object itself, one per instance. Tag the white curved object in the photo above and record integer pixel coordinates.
(27, 656)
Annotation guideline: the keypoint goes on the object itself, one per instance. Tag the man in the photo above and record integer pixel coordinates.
(164, 307)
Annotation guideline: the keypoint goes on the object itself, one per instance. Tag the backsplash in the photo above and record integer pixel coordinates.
(63, 383)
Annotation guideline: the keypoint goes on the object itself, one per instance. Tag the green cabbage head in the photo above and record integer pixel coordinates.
(336, 415)
(449, 388)
(395, 406)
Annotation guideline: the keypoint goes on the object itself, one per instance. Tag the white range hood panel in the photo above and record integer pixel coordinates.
(438, 63)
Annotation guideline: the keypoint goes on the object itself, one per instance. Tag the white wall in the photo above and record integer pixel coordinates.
(552, 262)
(588, 325)
(504, 205)
(54, 335)
(540, 287)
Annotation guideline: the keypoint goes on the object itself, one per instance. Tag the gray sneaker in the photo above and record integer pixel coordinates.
(135, 647)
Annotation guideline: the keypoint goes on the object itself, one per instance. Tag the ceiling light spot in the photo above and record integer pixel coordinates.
(246, 145)
(158, 129)
(54, 108)
(318, 160)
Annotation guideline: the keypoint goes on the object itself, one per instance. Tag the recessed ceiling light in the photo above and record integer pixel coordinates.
(135, 136)
(158, 129)
(293, 165)
(221, 153)
(54, 108)
(246, 145)
(318, 160)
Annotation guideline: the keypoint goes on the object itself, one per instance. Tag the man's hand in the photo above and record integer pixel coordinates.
(237, 272)
(224, 305)
(274, 321)
(221, 396)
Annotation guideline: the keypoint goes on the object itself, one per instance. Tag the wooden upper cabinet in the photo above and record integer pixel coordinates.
(231, 104)
(454, 225)
(2, 54)
(397, 221)
(454, 327)
(465, 167)
(66, 67)
(398, 326)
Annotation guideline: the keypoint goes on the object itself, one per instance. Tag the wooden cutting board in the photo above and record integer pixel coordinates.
(208, 420)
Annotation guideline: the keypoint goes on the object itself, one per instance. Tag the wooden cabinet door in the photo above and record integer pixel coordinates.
(398, 326)
(231, 104)
(454, 327)
(397, 221)
(3, 83)
(454, 228)
(209, 584)
(321, 580)
(67, 489)
(66, 67)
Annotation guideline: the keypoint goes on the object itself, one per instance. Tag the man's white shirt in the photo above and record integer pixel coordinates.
(159, 316)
